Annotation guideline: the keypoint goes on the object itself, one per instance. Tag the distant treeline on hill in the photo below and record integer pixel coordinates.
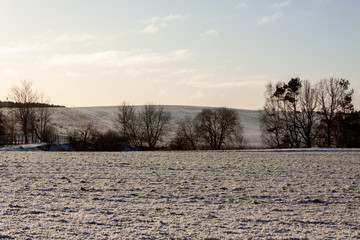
(10, 104)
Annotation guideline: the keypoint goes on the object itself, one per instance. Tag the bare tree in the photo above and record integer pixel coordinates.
(237, 139)
(155, 122)
(308, 118)
(3, 128)
(272, 123)
(25, 95)
(290, 117)
(80, 138)
(124, 117)
(40, 120)
(218, 126)
(280, 114)
(129, 126)
(11, 125)
(2, 123)
(334, 96)
(298, 115)
(289, 94)
(186, 136)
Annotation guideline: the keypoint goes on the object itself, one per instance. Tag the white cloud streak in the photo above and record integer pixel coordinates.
(168, 18)
(281, 4)
(199, 94)
(154, 24)
(73, 37)
(269, 19)
(151, 29)
(118, 58)
(243, 5)
(221, 85)
(47, 42)
(23, 48)
(138, 71)
(211, 33)
(199, 81)
(66, 38)
(321, 1)
(10, 72)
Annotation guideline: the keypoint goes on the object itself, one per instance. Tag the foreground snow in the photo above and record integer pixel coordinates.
(66, 147)
(24, 147)
(185, 195)
(37, 147)
(305, 150)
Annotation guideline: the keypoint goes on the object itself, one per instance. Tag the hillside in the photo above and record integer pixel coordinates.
(66, 119)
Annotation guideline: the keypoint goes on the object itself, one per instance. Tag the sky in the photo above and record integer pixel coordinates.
(175, 52)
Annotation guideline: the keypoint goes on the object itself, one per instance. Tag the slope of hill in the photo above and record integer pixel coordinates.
(66, 120)
(102, 118)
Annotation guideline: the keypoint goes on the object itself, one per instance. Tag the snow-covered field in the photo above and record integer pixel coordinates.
(180, 195)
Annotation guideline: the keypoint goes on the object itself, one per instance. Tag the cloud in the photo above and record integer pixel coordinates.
(23, 48)
(199, 94)
(184, 71)
(268, 19)
(241, 6)
(150, 29)
(281, 4)
(74, 37)
(47, 42)
(322, 1)
(239, 68)
(229, 84)
(118, 58)
(66, 38)
(162, 93)
(10, 72)
(154, 24)
(136, 71)
(168, 18)
(205, 81)
(175, 17)
(211, 33)
(199, 76)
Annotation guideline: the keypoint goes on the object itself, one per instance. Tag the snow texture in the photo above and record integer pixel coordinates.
(66, 120)
(248, 118)
(24, 147)
(180, 195)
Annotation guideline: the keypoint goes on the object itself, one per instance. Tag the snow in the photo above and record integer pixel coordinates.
(249, 118)
(304, 150)
(66, 120)
(180, 195)
(23, 147)
(37, 147)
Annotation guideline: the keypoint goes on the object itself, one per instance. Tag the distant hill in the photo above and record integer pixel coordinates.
(9, 104)
(102, 118)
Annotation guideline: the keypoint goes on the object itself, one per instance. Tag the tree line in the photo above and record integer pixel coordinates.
(28, 112)
(299, 114)
(296, 114)
(11, 104)
(151, 128)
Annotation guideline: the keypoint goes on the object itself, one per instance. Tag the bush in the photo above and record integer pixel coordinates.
(109, 141)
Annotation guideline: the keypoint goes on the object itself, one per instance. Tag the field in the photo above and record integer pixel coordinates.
(180, 195)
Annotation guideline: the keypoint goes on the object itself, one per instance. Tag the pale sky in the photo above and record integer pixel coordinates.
(175, 52)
